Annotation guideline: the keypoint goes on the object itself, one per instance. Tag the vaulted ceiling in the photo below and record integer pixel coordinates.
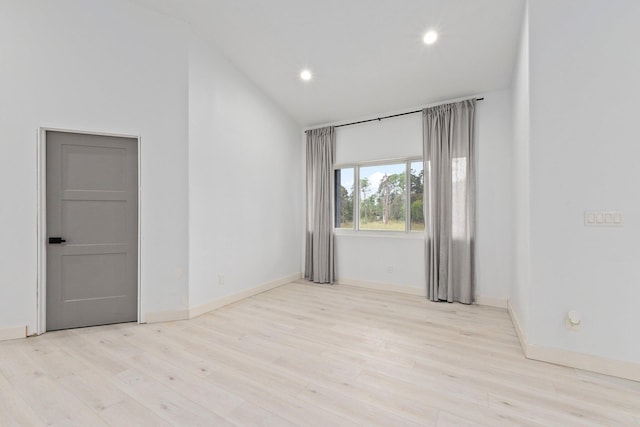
(367, 56)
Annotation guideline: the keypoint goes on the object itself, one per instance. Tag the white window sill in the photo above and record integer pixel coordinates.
(414, 235)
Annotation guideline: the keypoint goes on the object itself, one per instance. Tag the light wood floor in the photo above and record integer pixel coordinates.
(305, 355)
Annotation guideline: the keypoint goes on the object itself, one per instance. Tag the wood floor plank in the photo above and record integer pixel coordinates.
(305, 355)
(130, 413)
(14, 411)
(165, 402)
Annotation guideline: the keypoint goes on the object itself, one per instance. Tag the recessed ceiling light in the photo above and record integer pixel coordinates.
(430, 37)
(305, 75)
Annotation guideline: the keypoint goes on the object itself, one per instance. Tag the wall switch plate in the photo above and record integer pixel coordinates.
(617, 218)
(603, 218)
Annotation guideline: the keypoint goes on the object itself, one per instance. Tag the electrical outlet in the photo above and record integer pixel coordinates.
(221, 279)
(573, 320)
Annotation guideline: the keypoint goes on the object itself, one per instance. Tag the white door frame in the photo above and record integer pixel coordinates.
(41, 154)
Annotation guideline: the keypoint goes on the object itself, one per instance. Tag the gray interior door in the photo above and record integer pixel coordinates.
(92, 204)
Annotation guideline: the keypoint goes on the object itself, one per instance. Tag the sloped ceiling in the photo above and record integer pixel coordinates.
(367, 56)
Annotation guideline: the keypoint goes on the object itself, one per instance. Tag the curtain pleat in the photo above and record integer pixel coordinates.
(319, 253)
(449, 195)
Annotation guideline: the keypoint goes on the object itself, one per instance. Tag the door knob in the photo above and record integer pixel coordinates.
(56, 240)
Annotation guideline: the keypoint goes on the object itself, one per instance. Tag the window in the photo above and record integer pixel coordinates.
(416, 191)
(383, 197)
(344, 197)
(380, 196)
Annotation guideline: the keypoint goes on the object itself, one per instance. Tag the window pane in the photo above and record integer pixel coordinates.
(344, 197)
(416, 194)
(382, 197)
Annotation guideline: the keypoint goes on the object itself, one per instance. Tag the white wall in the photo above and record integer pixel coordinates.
(93, 65)
(520, 283)
(584, 70)
(244, 182)
(494, 250)
(394, 138)
(112, 66)
(359, 255)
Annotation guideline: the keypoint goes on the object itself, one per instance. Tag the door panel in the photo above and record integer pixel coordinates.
(95, 221)
(93, 168)
(92, 190)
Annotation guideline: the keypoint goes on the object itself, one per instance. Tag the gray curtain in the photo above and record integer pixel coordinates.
(319, 254)
(449, 201)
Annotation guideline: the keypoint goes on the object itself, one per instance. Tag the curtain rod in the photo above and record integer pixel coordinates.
(382, 118)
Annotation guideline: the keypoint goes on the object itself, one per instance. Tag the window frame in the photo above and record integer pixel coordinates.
(407, 161)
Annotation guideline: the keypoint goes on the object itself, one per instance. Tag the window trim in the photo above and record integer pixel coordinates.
(356, 202)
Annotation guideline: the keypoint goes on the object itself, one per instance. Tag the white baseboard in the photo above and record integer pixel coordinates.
(404, 289)
(229, 299)
(491, 302)
(572, 359)
(13, 333)
(411, 290)
(516, 324)
(166, 316)
(586, 362)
